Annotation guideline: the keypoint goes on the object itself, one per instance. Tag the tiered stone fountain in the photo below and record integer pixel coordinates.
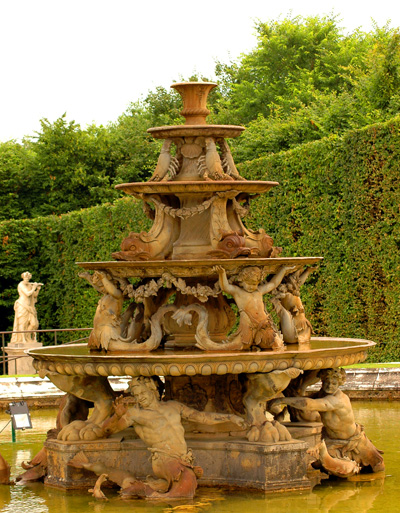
(182, 312)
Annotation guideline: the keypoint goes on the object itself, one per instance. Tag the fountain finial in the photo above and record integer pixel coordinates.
(194, 96)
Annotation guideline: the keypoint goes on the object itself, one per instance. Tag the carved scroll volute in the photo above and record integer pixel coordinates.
(194, 96)
(258, 241)
(157, 243)
(219, 220)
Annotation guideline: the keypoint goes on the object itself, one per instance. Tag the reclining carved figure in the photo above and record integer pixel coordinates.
(159, 425)
(344, 438)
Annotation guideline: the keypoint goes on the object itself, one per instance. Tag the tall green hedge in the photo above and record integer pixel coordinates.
(338, 198)
(48, 248)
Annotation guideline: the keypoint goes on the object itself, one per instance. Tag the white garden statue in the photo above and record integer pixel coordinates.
(25, 311)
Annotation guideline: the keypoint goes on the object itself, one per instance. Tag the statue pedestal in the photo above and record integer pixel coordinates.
(23, 362)
(226, 461)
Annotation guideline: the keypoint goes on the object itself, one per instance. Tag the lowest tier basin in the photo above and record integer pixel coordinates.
(320, 353)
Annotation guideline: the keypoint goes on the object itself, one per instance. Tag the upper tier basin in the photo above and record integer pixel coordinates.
(228, 131)
(196, 187)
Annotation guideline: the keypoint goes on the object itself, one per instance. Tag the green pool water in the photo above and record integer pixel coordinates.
(382, 424)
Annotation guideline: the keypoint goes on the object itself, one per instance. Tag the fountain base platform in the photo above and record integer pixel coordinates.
(235, 463)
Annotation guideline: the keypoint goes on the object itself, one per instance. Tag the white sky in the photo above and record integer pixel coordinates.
(91, 58)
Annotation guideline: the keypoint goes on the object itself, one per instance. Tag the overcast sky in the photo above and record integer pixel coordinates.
(91, 58)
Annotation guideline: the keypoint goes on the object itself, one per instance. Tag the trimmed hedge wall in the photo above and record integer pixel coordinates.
(48, 248)
(338, 198)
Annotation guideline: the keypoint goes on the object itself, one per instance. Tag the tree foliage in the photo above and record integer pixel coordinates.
(49, 248)
(306, 80)
(62, 168)
(15, 164)
(73, 168)
(292, 59)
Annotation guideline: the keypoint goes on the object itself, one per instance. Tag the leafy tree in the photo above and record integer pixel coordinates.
(378, 89)
(135, 151)
(293, 58)
(15, 163)
(73, 168)
(62, 168)
(306, 80)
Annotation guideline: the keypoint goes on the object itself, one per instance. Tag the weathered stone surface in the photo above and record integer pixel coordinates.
(22, 364)
(24, 329)
(238, 463)
(345, 448)
(372, 379)
(371, 384)
(322, 352)
(25, 319)
(194, 268)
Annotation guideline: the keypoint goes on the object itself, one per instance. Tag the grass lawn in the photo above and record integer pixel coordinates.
(19, 376)
(372, 365)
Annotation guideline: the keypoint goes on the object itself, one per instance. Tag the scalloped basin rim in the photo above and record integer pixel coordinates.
(201, 130)
(318, 345)
(77, 360)
(194, 268)
(197, 186)
(209, 126)
(206, 128)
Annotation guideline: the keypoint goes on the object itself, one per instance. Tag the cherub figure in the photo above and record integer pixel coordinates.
(159, 425)
(255, 326)
(294, 325)
(109, 325)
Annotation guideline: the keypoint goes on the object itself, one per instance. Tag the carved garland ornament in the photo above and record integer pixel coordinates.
(185, 212)
(201, 292)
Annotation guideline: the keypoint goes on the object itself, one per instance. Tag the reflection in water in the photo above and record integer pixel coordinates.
(22, 455)
(381, 421)
(5, 496)
(199, 504)
(350, 496)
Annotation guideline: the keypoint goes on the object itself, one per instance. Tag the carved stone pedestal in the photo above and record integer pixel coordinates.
(226, 461)
(23, 363)
(309, 432)
(270, 467)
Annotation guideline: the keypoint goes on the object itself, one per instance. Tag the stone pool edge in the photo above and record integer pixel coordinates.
(361, 384)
